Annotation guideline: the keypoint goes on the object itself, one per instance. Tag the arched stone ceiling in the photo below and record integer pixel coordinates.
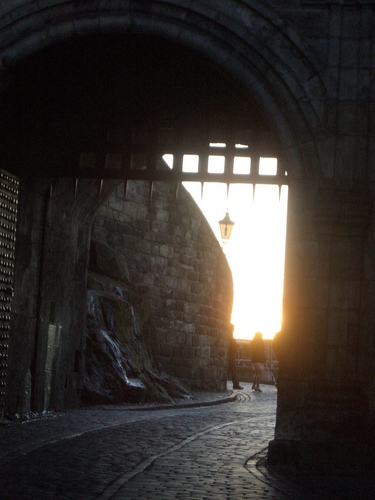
(247, 41)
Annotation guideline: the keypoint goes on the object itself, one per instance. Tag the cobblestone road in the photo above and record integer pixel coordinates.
(121, 453)
(132, 453)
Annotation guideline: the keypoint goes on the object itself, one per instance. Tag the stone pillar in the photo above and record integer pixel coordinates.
(323, 391)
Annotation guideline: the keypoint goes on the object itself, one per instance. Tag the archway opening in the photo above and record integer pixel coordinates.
(256, 248)
(80, 91)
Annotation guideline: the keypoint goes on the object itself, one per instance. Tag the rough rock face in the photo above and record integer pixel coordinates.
(118, 365)
(180, 275)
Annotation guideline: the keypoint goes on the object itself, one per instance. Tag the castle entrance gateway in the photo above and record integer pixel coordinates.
(72, 143)
(128, 154)
(303, 81)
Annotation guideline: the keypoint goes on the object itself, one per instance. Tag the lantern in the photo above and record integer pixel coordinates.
(226, 226)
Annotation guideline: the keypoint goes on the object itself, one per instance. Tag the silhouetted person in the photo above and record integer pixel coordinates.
(258, 358)
(232, 369)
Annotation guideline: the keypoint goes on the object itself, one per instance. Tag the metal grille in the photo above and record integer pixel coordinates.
(137, 154)
(8, 222)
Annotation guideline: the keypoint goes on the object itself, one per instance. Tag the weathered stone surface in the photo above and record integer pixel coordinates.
(118, 365)
(49, 303)
(181, 277)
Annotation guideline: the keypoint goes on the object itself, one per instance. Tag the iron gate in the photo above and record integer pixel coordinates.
(8, 223)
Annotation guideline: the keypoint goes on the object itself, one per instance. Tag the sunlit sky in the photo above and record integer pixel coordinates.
(255, 250)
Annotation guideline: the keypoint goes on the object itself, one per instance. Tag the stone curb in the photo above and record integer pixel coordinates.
(191, 404)
(195, 404)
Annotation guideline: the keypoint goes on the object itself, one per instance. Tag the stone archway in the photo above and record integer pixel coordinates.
(252, 58)
(283, 76)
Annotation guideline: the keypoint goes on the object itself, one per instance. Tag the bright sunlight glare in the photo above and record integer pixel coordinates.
(255, 250)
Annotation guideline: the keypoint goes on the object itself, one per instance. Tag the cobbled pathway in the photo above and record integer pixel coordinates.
(131, 452)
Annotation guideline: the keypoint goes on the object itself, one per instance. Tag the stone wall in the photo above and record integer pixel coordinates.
(178, 267)
(49, 304)
(118, 365)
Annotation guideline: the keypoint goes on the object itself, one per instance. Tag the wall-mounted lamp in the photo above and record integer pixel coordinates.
(226, 226)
